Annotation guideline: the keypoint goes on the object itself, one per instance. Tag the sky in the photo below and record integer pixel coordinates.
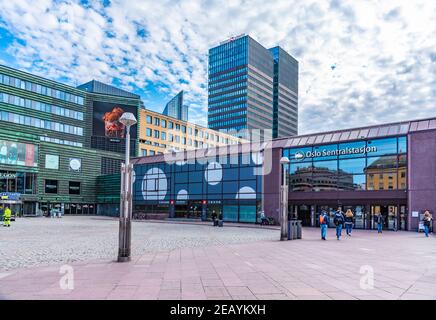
(360, 62)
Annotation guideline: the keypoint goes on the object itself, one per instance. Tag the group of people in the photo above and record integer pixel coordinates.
(340, 220)
(6, 213)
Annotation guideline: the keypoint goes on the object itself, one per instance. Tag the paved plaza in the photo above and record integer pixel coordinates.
(73, 258)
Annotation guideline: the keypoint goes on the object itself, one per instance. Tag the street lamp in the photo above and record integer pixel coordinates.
(127, 119)
(284, 201)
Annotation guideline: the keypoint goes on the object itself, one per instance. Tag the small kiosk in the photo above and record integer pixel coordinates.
(13, 200)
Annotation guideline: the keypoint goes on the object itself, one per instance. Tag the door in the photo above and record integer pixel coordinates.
(213, 207)
(403, 218)
(390, 216)
(303, 214)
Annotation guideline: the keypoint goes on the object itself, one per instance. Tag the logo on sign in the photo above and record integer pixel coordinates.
(299, 155)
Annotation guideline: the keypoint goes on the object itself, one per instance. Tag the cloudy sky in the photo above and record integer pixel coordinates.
(361, 62)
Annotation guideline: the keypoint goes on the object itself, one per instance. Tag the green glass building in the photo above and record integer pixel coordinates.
(55, 140)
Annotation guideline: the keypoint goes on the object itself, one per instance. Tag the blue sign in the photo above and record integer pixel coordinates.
(10, 196)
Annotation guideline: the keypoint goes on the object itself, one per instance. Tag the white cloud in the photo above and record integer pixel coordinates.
(384, 52)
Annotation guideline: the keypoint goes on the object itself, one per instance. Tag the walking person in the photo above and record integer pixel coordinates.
(324, 221)
(427, 222)
(214, 216)
(7, 217)
(349, 222)
(379, 220)
(339, 220)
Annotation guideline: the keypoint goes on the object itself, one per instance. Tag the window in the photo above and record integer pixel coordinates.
(74, 187)
(156, 121)
(152, 153)
(51, 161)
(184, 129)
(144, 152)
(163, 135)
(149, 119)
(177, 127)
(156, 134)
(164, 123)
(170, 125)
(148, 132)
(51, 186)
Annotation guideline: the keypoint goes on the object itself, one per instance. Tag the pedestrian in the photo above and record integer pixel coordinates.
(379, 220)
(52, 213)
(427, 222)
(7, 217)
(338, 220)
(263, 219)
(214, 218)
(349, 222)
(324, 221)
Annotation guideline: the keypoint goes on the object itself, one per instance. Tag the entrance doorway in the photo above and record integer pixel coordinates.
(214, 207)
(303, 214)
(390, 216)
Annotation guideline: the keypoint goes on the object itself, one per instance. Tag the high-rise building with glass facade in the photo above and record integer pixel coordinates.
(176, 109)
(285, 102)
(242, 81)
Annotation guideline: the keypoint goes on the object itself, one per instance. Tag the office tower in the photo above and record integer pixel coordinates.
(176, 109)
(241, 87)
(285, 103)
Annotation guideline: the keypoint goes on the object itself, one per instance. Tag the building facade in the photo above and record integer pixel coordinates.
(251, 87)
(159, 134)
(176, 108)
(386, 169)
(48, 158)
(285, 102)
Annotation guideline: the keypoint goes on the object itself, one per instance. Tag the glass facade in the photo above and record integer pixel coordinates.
(245, 79)
(40, 89)
(40, 123)
(379, 164)
(176, 109)
(231, 186)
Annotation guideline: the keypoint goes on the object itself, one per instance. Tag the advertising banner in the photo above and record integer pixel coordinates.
(106, 118)
(16, 153)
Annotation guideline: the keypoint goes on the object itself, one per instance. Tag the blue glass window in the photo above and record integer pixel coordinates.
(352, 166)
(384, 146)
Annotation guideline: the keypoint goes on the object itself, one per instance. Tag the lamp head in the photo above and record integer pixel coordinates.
(128, 119)
(284, 160)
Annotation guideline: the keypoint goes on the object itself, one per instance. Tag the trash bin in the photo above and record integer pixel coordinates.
(299, 226)
(294, 229)
(220, 223)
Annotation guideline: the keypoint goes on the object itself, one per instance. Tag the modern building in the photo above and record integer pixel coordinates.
(159, 134)
(387, 169)
(285, 102)
(176, 108)
(51, 150)
(251, 87)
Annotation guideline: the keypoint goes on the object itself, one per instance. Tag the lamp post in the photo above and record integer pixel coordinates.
(284, 201)
(128, 119)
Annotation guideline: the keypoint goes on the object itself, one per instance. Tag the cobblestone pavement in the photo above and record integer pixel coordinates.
(201, 262)
(44, 241)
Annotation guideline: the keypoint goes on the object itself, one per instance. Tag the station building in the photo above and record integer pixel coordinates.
(388, 169)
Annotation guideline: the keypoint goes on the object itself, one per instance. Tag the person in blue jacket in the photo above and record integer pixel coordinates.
(324, 221)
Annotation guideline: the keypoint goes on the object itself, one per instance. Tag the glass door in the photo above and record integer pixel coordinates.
(392, 215)
(403, 218)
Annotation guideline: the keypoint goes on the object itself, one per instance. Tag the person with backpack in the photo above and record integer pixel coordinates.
(427, 222)
(349, 222)
(379, 220)
(339, 220)
(324, 221)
